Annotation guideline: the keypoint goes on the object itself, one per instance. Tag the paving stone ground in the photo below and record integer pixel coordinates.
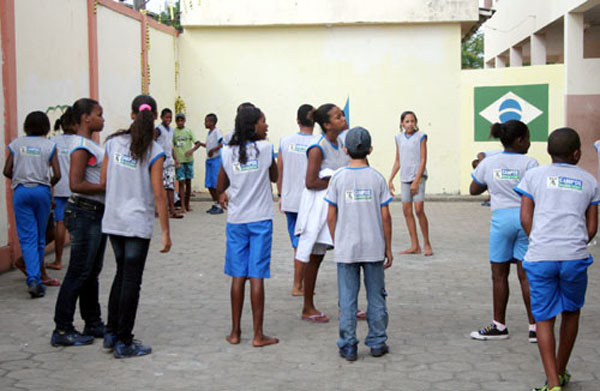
(184, 314)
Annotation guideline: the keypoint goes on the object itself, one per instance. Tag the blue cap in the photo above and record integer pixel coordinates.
(358, 141)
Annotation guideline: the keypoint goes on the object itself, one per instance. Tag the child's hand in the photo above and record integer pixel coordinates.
(189, 153)
(392, 188)
(414, 187)
(177, 165)
(166, 240)
(210, 152)
(223, 200)
(389, 259)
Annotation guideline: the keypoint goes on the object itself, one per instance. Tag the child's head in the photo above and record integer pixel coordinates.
(245, 105)
(305, 116)
(564, 145)
(408, 122)
(143, 113)
(87, 113)
(65, 122)
(210, 121)
(36, 124)
(180, 120)
(513, 134)
(358, 143)
(250, 125)
(166, 116)
(330, 118)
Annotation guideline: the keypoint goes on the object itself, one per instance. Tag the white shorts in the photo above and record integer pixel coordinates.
(405, 192)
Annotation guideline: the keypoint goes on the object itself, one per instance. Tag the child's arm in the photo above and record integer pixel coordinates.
(591, 218)
(527, 206)
(387, 233)
(273, 171)
(280, 176)
(103, 172)
(414, 186)
(55, 170)
(313, 182)
(175, 157)
(77, 182)
(222, 185)
(332, 220)
(213, 150)
(8, 166)
(395, 169)
(160, 198)
(476, 188)
(197, 145)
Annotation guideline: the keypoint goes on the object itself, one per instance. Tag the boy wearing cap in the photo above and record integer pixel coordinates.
(559, 212)
(361, 227)
(184, 145)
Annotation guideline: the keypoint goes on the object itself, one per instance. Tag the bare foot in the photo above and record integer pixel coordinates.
(297, 292)
(412, 250)
(54, 266)
(265, 340)
(233, 338)
(428, 251)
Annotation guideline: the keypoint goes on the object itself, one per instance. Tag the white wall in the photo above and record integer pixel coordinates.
(162, 56)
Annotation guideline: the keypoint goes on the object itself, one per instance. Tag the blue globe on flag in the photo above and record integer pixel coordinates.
(509, 110)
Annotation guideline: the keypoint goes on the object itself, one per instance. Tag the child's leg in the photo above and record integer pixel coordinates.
(569, 327)
(188, 194)
(414, 248)
(238, 285)
(525, 291)
(213, 194)
(118, 245)
(500, 272)
(420, 211)
(24, 206)
(298, 286)
(89, 304)
(348, 279)
(546, 345)
(59, 244)
(182, 194)
(311, 269)
(171, 201)
(257, 294)
(377, 316)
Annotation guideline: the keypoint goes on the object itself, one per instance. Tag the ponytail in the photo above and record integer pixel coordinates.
(245, 131)
(321, 115)
(508, 131)
(306, 115)
(65, 122)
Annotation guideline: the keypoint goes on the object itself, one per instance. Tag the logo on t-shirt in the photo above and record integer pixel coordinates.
(506, 174)
(564, 183)
(125, 161)
(64, 151)
(31, 151)
(359, 195)
(298, 148)
(250, 165)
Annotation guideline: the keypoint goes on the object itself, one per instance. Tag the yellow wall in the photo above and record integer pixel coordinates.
(384, 69)
(553, 75)
(162, 56)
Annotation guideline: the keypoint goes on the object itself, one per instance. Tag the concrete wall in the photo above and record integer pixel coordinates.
(383, 69)
(162, 55)
(553, 75)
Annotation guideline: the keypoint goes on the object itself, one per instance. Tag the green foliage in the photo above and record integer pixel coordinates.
(472, 52)
(165, 16)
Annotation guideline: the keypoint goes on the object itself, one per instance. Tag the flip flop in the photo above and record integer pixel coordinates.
(316, 318)
(53, 266)
(361, 315)
(175, 216)
(51, 282)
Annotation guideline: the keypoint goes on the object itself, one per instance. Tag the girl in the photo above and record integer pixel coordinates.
(62, 192)
(27, 165)
(83, 219)
(132, 173)
(500, 174)
(165, 139)
(411, 159)
(248, 165)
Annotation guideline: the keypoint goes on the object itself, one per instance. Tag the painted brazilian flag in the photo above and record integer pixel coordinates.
(526, 103)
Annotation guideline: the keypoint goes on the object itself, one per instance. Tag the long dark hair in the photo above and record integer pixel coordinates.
(508, 131)
(66, 122)
(142, 128)
(321, 115)
(245, 122)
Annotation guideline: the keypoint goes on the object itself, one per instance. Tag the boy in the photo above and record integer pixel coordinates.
(214, 143)
(164, 136)
(361, 227)
(184, 146)
(559, 212)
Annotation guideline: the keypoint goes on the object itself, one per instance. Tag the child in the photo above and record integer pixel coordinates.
(475, 163)
(248, 165)
(184, 146)
(165, 139)
(411, 159)
(292, 151)
(83, 219)
(499, 174)
(213, 160)
(361, 227)
(559, 212)
(62, 192)
(27, 166)
(132, 173)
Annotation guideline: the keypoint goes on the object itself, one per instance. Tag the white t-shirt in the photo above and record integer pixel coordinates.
(359, 194)
(501, 173)
(213, 139)
(491, 153)
(292, 149)
(93, 167)
(129, 209)
(561, 193)
(250, 194)
(334, 156)
(165, 139)
(31, 160)
(409, 151)
(64, 145)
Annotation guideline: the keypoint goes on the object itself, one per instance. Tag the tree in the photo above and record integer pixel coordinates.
(472, 52)
(165, 16)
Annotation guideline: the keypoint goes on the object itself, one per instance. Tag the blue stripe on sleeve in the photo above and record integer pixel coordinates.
(315, 146)
(422, 137)
(388, 201)
(10, 150)
(330, 202)
(523, 193)
(476, 181)
(162, 154)
(595, 203)
(52, 153)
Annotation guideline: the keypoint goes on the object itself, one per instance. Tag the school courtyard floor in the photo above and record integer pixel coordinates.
(184, 314)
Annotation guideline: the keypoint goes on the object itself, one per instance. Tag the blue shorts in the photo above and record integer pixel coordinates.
(508, 241)
(59, 209)
(291, 223)
(556, 286)
(212, 172)
(248, 251)
(185, 171)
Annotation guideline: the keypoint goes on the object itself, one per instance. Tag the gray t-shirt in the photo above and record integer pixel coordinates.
(213, 139)
(501, 173)
(334, 156)
(250, 194)
(409, 151)
(292, 149)
(64, 145)
(561, 193)
(94, 164)
(359, 194)
(165, 140)
(31, 160)
(129, 207)
(491, 153)
(597, 147)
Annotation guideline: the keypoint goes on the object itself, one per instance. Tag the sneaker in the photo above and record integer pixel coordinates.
(134, 349)
(211, 209)
(110, 339)
(546, 388)
(491, 332)
(349, 353)
(96, 331)
(70, 338)
(217, 210)
(380, 351)
(486, 203)
(532, 336)
(36, 289)
(564, 378)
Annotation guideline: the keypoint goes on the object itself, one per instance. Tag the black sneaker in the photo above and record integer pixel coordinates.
(490, 332)
(349, 353)
(532, 336)
(380, 351)
(96, 331)
(110, 339)
(70, 338)
(134, 349)
(211, 209)
(217, 210)
(36, 289)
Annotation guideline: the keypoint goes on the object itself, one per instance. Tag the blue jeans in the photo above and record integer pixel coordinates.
(32, 208)
(130, 254)
(377, 316)
(83, 219)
